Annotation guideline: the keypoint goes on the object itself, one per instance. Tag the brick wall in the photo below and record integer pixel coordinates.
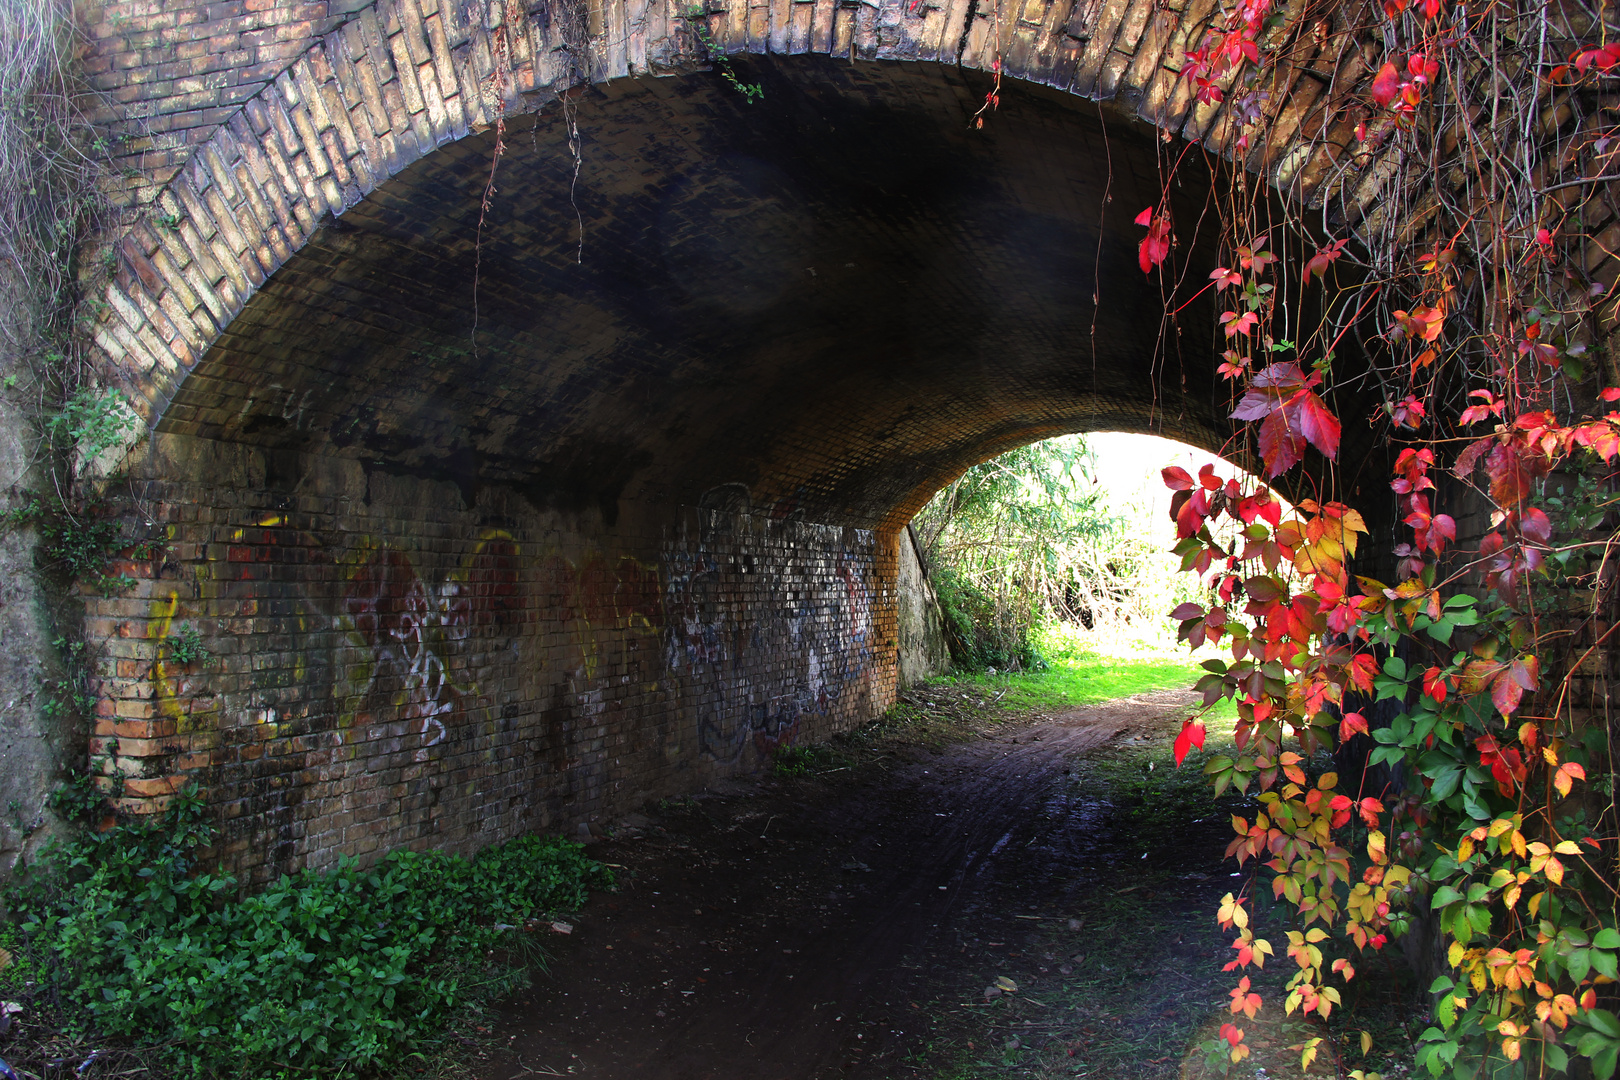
(169, 75)
(394, 667)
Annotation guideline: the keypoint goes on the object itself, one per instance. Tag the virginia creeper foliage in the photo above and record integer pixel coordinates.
(1485, 811)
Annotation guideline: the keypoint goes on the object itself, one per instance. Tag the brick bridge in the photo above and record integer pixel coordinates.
(510, 490)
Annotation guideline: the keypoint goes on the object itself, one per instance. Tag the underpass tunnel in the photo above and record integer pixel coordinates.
(836, 297)
(538, 485)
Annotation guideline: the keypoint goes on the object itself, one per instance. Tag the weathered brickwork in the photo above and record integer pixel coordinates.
(393, 667)
(168, 75)
(500, 360)
(253, 156)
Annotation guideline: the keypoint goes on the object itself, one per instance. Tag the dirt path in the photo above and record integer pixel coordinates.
(802, 929)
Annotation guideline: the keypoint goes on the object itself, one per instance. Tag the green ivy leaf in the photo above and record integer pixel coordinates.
(1443, 897)
(1602, 1021)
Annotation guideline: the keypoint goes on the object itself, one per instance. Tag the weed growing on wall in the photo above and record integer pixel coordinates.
(76, 542)
(322, 973)
(52, 163)
(185, 646)
(751, 92)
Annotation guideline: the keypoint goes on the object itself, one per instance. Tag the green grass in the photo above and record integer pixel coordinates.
(1088, 678)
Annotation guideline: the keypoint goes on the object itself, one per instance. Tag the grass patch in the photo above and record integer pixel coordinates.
(1078, 678)
(1090, 678)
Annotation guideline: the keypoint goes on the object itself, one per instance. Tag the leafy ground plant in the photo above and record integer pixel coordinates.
(341, 972)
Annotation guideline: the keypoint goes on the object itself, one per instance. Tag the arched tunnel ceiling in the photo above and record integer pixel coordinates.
(834, 299)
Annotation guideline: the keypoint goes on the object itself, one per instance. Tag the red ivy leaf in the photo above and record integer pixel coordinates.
(1435, 684)
(1280, 447)
(1177, 479)
(1385, 85)
(1526, 673)
(1535, 525)
(1352, 725)
(1319, 425)
(1155, 246)
(1319, 262)
(1192, 734)
(1506, 694)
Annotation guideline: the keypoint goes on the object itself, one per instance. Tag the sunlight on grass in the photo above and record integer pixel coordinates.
(1089, 678)
(1082, 670)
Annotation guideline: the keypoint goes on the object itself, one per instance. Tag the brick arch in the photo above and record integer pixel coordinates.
(839, 299)
(639, 526)
(378, 88)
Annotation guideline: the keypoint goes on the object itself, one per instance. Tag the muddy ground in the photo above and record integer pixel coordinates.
(855, 921)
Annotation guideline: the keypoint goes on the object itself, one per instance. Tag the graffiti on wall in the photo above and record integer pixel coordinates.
(427, 644)
(769, 621)
(603, 600)
(410, 627)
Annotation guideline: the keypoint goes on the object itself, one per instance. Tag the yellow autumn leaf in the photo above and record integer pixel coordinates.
(1564, 779)
(1366, 1042)
(1567, 847)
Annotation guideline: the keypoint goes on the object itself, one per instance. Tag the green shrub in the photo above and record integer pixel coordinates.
(321, 973)
(982, 630)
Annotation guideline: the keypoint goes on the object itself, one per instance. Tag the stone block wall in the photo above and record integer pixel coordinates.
(399, 662)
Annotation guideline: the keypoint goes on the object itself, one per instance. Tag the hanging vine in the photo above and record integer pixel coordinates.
(1472, 189)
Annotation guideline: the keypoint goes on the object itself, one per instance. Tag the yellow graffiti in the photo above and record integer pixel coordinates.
(166, 690)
